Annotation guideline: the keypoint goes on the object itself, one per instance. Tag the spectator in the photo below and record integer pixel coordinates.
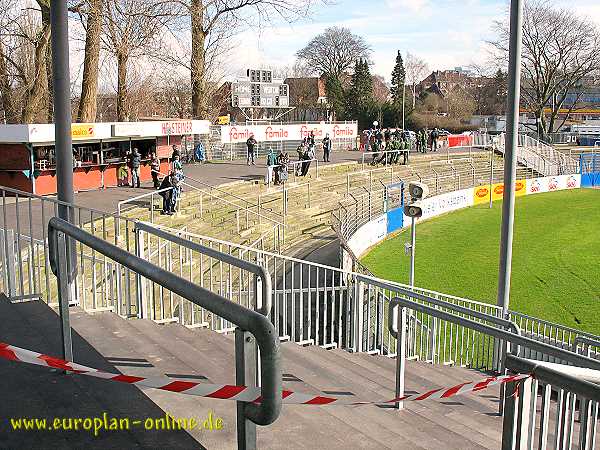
(167, 195)
(271, 162)
(134, 165)
(326, 147)
(308, 157)
(424, 140)
(311, 139)
(176, 166)
(251, 145)
(435, 134)
(281, 172)
(175, 153)
(387, 136)
(155, 170)
(176, 179)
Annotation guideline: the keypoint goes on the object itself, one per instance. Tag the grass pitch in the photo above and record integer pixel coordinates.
(556, 256)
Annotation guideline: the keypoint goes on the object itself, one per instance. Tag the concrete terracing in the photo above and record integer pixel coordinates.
(144, 348)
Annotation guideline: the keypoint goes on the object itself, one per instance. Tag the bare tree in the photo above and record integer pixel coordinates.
(416, 70)
(334, 52)
(219, 17)
(90, 13)
(130, 27)
(24, 43)
(560, 51)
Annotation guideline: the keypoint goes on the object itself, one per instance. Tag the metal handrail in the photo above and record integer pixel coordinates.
(239, 207)
(254, 322)
(585, 341)
(393, 312)
(545, 373)
(265, 307)
(523, 341)
(139, 197)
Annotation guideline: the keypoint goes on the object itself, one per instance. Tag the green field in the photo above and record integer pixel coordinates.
(556, 256)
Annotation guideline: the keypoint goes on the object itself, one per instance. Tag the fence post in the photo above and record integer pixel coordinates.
(10, 262)
(237, 219)
(358, 315)
(142, 305)
(400, 356)
(347, 184)
(64, 296)
(245, 375)
(308, 194)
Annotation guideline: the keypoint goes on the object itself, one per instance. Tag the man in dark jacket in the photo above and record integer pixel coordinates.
(167, 183)
(155, 170)
(251, 144)
(134, 164)
(326, 147)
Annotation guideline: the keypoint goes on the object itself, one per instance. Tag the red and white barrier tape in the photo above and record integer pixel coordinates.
(232, 392)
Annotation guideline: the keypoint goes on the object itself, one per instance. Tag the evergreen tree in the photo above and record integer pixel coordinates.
(398, 79)
(359, 97)
(335, 96)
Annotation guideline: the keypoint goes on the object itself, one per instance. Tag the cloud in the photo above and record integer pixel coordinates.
(415, 6)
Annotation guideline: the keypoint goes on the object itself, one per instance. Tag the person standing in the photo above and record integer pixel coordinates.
(167, 187)
(271, 162)
(326, 147)
(175, 153)
(424, 140)
(434, 139)
(135, 163)
(155, 170)
(251, 145)
(311, 139)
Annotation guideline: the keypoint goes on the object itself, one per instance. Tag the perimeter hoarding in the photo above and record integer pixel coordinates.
(233, 134)
(481, 194)
(550, 184)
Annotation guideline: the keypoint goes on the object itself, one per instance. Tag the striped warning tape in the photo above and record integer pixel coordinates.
(238, 393)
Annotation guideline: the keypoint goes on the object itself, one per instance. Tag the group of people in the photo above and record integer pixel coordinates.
(171, 186)
(425, 138)
(387, 145)
(277, 163)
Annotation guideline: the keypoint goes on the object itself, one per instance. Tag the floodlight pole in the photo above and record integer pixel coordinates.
(413, 240)
(510, 163)
(62, 104)
(59, 27)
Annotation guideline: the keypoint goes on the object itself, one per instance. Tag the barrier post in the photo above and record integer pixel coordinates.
(64, 294)
(400, 357)
(245, 375)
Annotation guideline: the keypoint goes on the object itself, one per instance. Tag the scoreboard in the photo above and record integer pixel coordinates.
(260, 90)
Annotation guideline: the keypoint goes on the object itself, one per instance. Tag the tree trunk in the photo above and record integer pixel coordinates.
(89, 86)
(35, 93)
(198, 68)
(8, 103)
(122, 87)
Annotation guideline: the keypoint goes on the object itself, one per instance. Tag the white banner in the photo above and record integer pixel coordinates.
(232, 134)
(550, 184)
(444, 203)
(368, 235)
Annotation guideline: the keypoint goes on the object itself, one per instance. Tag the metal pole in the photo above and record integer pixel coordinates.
(62, 130)
(413, 239)
(510, 163)
(62, 104)
(491, 176)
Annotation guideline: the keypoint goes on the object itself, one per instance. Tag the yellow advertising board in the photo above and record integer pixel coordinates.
(481, 194)
(223, 120)
(82, 131)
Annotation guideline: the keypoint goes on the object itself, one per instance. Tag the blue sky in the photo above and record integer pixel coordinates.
(446, 33)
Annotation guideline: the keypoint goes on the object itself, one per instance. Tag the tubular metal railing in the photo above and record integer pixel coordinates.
(247, 321)
(562, 391)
